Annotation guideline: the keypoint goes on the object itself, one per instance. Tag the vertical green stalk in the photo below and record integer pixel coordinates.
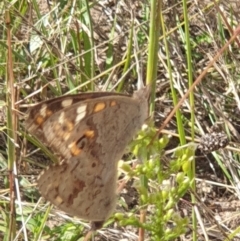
(11, 128)
(151, 80)
(89, 44)
(154, 31)
(173, 91)
(191, 172)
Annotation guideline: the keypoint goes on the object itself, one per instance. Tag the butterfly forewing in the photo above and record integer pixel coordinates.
(39, 113)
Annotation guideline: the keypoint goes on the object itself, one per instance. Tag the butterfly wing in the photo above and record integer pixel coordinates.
(76, 189)
(40, 113)
(91, 135)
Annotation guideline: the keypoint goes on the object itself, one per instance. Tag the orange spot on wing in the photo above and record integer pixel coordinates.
(39, 120)
(99, 107)
(89, 134)
(113, 103)
(75, 150)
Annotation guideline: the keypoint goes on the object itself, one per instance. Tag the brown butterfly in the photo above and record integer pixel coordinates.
(89, 132)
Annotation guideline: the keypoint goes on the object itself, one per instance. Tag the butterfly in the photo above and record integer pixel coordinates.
(89, 133)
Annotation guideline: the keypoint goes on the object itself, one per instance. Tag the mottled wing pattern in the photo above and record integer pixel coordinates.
(40, 113)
